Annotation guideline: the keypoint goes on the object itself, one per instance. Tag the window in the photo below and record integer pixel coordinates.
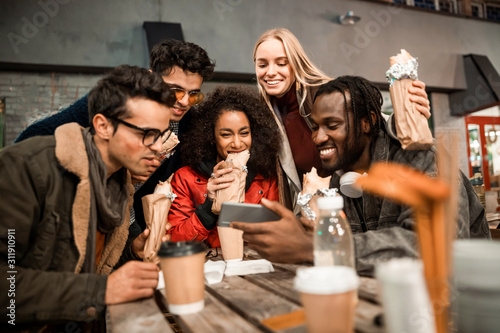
(427, 4)
(477, 9)
(493, 11)
(484, 146)
(449, 6)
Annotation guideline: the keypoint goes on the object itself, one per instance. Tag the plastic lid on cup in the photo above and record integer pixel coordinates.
(326, 280)
(336, 202)
(180, 249)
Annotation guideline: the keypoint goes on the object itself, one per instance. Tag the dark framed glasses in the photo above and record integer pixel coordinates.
(194, 96)
(151, 135)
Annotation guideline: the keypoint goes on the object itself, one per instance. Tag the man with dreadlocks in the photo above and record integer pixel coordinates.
(350, 134)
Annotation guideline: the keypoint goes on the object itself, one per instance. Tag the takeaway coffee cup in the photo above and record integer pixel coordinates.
(231, 243)
(475, 296)
(404, 295)
(329, 297)
(182, 266)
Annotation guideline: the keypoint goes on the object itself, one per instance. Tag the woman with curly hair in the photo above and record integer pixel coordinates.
(231, 120)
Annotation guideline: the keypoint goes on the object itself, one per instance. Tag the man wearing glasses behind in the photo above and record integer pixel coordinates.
(64, 213)
(184, 66)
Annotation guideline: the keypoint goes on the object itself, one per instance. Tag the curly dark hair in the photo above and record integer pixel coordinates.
(110, 94)
(199, 143)
(365, 98)
(188, 56)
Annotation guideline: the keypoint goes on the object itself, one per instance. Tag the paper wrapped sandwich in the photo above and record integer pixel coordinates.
(236, 191)
(156, 207)
(411, 126)
(311, 182)
(168, 147)
(313, 185)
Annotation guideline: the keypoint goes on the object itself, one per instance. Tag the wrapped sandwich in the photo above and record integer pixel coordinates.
(311, 182)
(313, 185)
(156, 207)
(411, 126)
(168, 146)
(236, 191)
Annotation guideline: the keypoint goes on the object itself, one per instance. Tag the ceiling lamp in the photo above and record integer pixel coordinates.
(349, 18)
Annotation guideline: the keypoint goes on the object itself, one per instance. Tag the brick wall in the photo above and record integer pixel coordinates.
(33, 96)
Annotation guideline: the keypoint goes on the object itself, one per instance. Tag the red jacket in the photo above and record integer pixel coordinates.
(191, 190)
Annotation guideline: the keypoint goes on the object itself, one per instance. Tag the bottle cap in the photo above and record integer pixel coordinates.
(330, 202)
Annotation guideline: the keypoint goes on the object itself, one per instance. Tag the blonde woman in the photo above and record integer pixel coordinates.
(287, 82)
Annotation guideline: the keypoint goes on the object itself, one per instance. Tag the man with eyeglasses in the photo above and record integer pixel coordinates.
(65, 208)
(150, 135)
(183, 66)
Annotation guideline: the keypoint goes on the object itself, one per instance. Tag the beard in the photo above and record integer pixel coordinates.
(353, 149)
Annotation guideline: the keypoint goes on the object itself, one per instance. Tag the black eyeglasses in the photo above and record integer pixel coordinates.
(151, 135)
(194, 96)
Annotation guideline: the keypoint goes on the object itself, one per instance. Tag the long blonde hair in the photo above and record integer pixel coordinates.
(304, 71)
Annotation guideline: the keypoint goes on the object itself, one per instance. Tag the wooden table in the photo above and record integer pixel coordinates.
(252, 303)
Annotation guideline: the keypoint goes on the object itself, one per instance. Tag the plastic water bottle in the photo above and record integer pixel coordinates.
(333, 243)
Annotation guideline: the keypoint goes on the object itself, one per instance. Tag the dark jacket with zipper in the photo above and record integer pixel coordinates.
(384, 229)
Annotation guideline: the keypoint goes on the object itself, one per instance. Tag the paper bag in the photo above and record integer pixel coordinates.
(236, 191)
(156, 207)
(411, 126)
(168, 146)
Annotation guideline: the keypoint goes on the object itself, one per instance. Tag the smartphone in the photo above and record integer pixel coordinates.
(243, 212)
